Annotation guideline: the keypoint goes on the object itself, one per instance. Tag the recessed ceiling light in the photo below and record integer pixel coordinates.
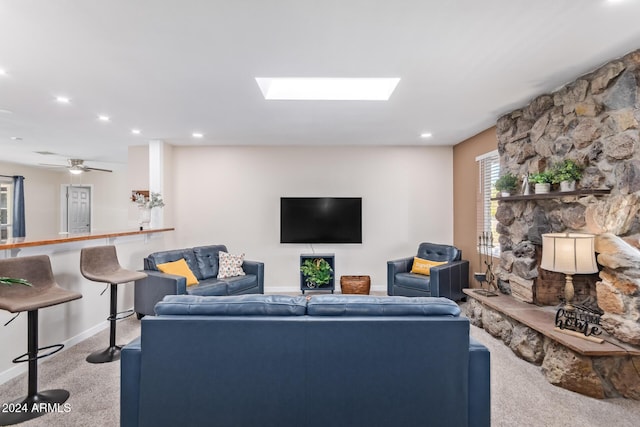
(62, 99)
(327, 89)
(426, 135)
(104, 118)
(135, 131)
(197, 135)
(3, 72)
(16, 138)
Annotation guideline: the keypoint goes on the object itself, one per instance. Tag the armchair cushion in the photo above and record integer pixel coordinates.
(414, 281)
(435, 252)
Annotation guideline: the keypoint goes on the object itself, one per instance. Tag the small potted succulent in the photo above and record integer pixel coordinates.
(506, 184)
(542, 181)
(566, 174)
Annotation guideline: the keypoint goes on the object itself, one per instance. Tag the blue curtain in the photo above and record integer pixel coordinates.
(18, 207)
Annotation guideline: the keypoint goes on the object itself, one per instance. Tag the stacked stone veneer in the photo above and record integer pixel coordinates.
(594, 121)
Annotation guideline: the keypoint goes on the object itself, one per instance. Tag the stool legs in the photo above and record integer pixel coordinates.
(113, 352)
(34, 404)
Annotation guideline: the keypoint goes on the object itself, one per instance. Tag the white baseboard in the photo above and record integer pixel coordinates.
(21, 368)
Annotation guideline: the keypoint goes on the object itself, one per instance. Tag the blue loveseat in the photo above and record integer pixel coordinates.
(203, 262)
(325, 360)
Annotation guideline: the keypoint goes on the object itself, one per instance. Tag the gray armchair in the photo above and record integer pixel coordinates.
(445, 280)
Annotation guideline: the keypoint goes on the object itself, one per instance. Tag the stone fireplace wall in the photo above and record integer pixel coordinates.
(595, 122)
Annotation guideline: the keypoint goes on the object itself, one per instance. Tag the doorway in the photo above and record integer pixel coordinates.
(76, 208)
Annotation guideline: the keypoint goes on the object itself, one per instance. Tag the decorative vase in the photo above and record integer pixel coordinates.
(542, 188)
(567, 186)
(144, 217)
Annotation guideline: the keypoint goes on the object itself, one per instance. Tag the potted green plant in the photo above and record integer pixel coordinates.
(10, 281)
(542, 181)
(566, 174)
(506, 184)
(317, 272)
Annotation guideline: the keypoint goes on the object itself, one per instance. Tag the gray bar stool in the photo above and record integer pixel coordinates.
(100, 264)
(17, 298)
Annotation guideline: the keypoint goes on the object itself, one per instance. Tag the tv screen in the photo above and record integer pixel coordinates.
(320, 220)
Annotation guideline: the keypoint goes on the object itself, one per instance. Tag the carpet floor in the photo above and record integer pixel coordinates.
(520, 395)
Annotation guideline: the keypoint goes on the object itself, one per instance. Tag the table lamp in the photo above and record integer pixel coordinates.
(569, 253)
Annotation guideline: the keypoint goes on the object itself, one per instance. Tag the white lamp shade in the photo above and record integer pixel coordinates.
(569, 253)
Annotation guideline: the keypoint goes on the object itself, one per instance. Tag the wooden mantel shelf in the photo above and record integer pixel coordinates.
(542, 319)
(555, 195)
(25, 242)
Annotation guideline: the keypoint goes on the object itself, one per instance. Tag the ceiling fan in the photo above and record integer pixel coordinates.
(77, 166)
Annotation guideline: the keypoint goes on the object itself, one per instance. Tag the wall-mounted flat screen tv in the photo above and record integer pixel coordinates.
(320, 220)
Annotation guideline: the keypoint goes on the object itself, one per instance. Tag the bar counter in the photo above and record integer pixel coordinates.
(25, 242)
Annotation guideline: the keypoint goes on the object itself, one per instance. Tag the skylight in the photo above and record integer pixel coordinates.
(327, 89)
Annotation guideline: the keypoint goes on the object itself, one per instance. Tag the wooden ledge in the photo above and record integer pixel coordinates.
(25, 242)
(542, 319)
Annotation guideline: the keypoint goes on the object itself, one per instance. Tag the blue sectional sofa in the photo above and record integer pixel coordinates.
(203, 262)
(324, 360)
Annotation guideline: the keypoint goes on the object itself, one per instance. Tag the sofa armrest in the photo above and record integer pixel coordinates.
(394, 267)
(449, 279)
(479, 384)
(154, 287)
(257, 268)
(130, 358)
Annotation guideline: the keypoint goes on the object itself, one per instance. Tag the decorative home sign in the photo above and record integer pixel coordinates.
(579, 319)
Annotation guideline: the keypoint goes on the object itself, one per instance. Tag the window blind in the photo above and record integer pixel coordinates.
(489, 170)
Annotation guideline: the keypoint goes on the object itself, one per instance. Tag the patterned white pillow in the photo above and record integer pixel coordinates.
(230, 265)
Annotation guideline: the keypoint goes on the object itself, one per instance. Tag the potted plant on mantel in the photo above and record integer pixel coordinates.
(566, 174)
(317, 272)
(506, 184)
(542, 181)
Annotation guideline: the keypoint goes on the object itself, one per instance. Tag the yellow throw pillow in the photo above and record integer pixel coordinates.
(423, 266)
(179, 268)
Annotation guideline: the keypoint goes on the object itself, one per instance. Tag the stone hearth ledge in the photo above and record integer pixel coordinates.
(610, 369)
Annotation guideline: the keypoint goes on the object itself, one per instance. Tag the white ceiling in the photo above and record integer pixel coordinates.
(172, 67)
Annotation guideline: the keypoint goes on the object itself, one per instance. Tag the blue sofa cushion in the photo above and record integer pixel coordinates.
(211, 286)
(151, 262)
(234, 305)
(237, 284)
(357, 305)
(414, 281)
(207, 259)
